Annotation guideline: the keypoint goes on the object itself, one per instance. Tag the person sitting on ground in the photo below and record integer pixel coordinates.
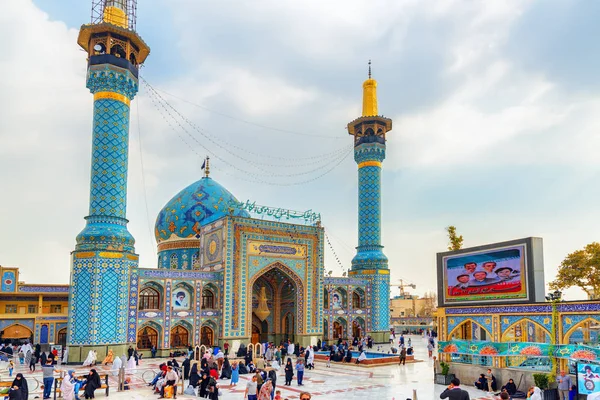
(251, 367)
(194, 375)
(348, 357)
(243, 368)
(481, 383)
(510, 387)
(226, 369)
(203, 389)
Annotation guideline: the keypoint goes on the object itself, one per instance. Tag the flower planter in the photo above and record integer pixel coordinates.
(550, 394)
(442, 379)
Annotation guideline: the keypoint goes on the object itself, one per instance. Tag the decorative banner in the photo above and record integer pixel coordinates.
(528, 349)
(308, 216)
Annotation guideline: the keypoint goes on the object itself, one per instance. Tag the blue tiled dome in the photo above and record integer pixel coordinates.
(200, 203)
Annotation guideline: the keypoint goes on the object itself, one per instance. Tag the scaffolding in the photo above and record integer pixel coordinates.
(126, 16)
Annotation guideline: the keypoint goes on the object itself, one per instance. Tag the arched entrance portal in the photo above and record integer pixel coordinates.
(275, 309)
(17, 331)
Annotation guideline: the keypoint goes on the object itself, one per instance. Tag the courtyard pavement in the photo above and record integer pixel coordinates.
(347, 382)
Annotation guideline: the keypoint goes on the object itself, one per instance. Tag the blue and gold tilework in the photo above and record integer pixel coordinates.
(370, 262)
(98, 306)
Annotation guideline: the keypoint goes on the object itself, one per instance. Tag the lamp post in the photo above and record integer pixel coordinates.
(554, 299)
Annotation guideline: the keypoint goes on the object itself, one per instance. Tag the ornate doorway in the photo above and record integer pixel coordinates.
(276, 297)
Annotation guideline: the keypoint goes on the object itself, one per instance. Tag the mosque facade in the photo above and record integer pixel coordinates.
(222, 274)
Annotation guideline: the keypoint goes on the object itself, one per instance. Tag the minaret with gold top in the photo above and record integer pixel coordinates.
(370, 263)
(99, 297)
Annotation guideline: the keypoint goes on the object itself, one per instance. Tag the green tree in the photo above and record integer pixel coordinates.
(456, 241)
(582, 269)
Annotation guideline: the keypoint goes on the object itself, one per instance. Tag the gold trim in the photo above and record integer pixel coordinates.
(180, 244)
(106, 254)
(369, 164)
(132, 257)
(87, 254)
(370, 272)
(113, 96)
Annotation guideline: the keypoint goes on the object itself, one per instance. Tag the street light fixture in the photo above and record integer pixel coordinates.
(554, 296)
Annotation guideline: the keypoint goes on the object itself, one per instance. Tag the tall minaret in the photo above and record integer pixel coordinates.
(99, 297)
(370, 263)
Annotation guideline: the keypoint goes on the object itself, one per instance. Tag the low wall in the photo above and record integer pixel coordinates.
(391, 360)
(468, 374)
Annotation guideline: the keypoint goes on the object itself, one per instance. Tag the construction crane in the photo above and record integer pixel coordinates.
(403, 285)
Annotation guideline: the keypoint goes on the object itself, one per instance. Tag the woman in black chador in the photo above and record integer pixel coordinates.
(91, 384)
(19, 389)
(289, 372)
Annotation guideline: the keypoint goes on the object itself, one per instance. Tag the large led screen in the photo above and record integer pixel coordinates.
(486, 275)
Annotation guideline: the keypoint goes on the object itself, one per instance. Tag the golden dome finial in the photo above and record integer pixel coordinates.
(115, 12)
(369, 96)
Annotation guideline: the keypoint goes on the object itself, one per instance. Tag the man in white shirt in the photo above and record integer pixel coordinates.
(171, 379)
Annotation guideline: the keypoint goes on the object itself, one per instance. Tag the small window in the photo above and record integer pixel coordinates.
(208, 299)
(55, 309)
(174, 261)
(149, 299)
(32, 309)
(10, 309)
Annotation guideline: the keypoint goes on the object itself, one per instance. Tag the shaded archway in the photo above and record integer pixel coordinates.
(207, 335)
(465, 331)
(525, 330)
(358, 327)
(61, 337)
(147, 337)
(287, 324)
(284, 297)
(179, 336)
(210, 295)
(358, 299)
(584, 332)
(340, 328)
(17, 331)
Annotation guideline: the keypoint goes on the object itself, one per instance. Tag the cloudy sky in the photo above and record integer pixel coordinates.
(495, 107)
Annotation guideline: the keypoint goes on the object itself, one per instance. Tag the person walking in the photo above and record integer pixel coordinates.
(32, 362)
(289, 372)
(48, 377)
(402, 356)
(564, 385)
(251, 388)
